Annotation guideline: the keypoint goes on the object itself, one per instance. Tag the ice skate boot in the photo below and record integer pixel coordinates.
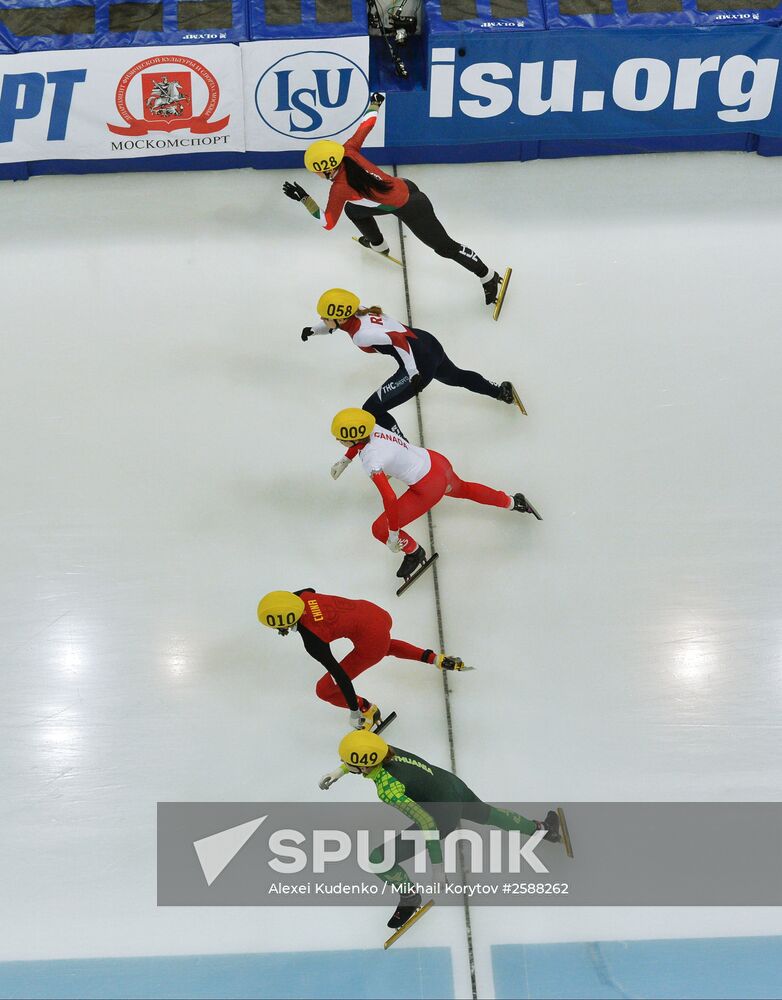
(408, 904)
(413, 565)
(443, 662)
(495, 290)
(551, 825)
(379, 248)
(508, 394)
(522, 504)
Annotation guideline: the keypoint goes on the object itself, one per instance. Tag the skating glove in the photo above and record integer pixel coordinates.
(393, 541)
(415, 383)
(306, 333)
(357, 719)
(294, 191)
(328, 779)
(375, 100)
(339, 467)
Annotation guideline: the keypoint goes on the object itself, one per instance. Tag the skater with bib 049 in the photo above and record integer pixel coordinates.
(435, 800)
(364, 191)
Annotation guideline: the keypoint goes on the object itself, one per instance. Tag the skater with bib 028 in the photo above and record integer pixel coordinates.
(364, 191)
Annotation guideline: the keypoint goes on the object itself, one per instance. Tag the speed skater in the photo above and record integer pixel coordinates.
(419, 355)
(428, 475)
(364, 191)
(323, 618)
(434, 799)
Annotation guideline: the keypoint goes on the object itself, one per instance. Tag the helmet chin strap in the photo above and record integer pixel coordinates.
(290, 628)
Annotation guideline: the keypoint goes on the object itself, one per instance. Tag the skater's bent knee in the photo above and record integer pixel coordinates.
(380, 530)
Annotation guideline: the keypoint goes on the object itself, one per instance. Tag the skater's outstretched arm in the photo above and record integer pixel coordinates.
(321, 651)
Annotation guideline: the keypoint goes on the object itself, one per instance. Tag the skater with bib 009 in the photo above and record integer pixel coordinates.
(428, 475)
(364, 191)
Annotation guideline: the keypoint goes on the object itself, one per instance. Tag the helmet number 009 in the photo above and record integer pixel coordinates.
(353, 432)
(280, 621)
(364, 758)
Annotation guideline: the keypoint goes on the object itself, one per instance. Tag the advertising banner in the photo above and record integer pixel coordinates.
(105, 103)
(595, 84)
(303, 90)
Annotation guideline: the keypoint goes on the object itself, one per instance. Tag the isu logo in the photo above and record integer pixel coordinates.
(168, 97)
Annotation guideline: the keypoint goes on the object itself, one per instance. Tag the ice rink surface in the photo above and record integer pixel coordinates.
(166, 452)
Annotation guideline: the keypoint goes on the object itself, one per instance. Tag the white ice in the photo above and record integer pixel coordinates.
(165, 447)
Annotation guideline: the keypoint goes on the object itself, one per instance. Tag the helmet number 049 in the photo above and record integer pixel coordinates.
(364, 758)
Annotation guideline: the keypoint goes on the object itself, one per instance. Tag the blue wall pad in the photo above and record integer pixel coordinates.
(414, 973)
(687, 969)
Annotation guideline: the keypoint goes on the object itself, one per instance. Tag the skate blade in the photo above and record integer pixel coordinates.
(564, 832)
(517, 399)
(502, 292)
(532, 510)
(406, 927)
(419, 572)
(386, 722)
(385, 256)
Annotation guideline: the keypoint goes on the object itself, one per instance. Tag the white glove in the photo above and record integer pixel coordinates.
(393, 541)
(339, 467)
(328, 779)
(357, 719)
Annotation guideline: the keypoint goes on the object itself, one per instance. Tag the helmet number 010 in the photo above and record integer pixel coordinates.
(353, 432)
(280, 621)
(364, 758)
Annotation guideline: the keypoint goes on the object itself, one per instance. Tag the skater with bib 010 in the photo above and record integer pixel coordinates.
(321, 619)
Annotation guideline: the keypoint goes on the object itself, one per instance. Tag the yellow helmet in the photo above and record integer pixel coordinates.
(362, 749)
(280, 609)
(325, 154)
(338, 304)
(352, 425)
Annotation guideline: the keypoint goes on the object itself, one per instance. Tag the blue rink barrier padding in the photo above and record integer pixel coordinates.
(690, 969)
(404, 974)
(307, 18)
(40, 25)
(464, 16)
(660, 13)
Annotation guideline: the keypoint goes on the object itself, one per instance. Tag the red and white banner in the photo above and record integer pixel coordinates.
(95, 104)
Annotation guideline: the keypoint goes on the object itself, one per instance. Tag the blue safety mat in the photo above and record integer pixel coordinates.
(682, 969)
(660, 13)
(307, 18)
(402, 974)
(448, 16)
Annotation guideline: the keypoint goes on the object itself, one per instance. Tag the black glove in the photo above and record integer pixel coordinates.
(416, 383)
(376, 98)
(306, 332)
(294, 191)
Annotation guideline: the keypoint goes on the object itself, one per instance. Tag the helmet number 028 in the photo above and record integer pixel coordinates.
(353, 432)
(281, 621)
(328, 164)
(364, 758)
